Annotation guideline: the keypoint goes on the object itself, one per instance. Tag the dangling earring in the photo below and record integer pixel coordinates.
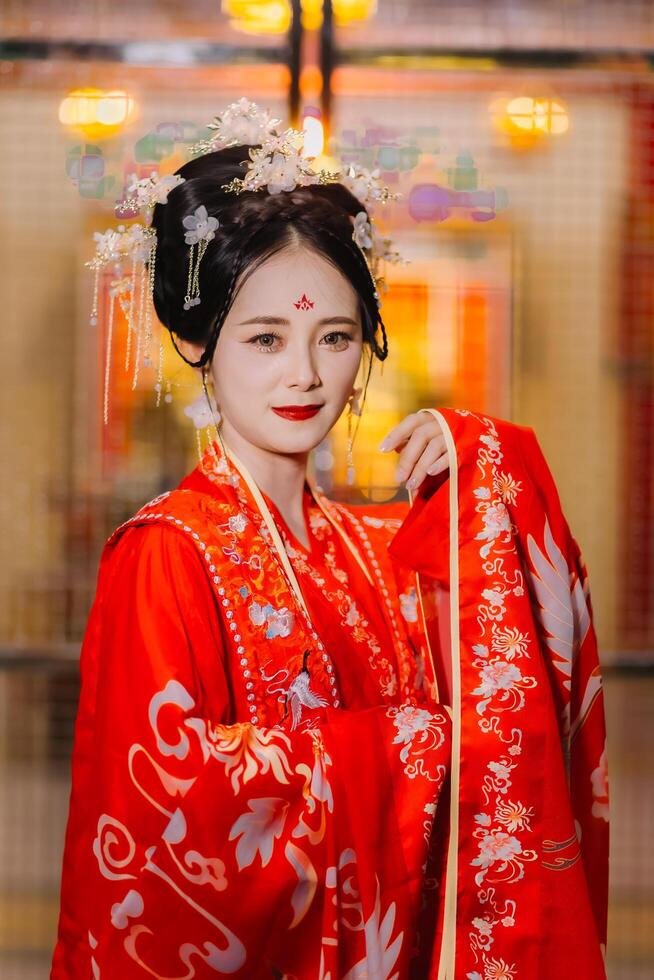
(353, 409)
(206, 415)
(222, 464)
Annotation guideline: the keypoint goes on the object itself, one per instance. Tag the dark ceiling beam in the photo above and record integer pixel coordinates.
(434, 58)
(170, 54)
(182, 54)
(295, 63)
(327, 60)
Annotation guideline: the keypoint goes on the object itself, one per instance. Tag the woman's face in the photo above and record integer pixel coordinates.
(292, 340)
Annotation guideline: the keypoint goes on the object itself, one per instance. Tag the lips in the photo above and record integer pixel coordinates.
(296, 413)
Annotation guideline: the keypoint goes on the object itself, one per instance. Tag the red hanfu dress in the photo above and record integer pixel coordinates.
(379, 756)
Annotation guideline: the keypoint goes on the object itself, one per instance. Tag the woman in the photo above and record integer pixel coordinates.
(318, 740)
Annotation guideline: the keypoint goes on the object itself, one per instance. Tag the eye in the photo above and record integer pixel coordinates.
(264, 341)
(337, 339)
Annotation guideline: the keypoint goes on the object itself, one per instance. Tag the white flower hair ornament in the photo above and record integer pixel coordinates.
(200, 231)
(148, 191)
(276, 164)
(242, 123)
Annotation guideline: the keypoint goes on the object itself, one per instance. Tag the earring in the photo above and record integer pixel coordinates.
(353, 409)
(206, 416)
(221, 464)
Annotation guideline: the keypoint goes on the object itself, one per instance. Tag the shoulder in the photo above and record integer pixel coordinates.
(182, 509)
(154, 576)
(150, 550)
(165, 535)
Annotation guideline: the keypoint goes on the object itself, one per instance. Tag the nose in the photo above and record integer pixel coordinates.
(301, 370)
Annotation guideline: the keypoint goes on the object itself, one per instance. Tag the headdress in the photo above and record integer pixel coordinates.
(276, 164)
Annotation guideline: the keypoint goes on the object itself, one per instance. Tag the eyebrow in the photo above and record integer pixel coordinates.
(282, 322)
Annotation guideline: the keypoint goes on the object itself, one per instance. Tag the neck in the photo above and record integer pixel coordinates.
(281, 477)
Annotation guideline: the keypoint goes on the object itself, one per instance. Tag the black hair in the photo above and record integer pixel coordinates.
(253, 225)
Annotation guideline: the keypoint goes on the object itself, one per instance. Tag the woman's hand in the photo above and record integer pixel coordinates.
(420, 442)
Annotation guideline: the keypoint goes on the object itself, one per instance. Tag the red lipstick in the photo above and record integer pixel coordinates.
(296, 413)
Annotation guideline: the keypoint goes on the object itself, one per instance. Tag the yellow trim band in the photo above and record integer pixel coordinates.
(272, 527)
(343, 533)
(446, 965)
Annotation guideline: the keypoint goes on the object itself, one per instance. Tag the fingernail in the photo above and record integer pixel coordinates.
(412, 483)
(384, 447)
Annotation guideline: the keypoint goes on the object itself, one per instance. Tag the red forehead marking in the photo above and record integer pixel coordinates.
(304, 303)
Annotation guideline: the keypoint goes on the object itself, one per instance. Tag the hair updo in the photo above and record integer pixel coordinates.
(254, 225)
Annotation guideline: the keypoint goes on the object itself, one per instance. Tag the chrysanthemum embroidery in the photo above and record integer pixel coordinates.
(513, 816)
(509, 642)
(506, 486)
(494, 969)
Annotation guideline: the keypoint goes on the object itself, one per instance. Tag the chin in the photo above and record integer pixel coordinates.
(296, 446)
(302, 442)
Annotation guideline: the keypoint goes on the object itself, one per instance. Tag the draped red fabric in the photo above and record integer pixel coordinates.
(377, 786)
(336, 590)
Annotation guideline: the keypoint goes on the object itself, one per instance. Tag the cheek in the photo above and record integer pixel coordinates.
(238, 370)
(339, 370)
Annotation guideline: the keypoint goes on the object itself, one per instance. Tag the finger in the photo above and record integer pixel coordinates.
(401, 432)
(417, 444)
(441, 464)
(427, 465)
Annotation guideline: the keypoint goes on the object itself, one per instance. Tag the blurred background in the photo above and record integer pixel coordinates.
(520, 134)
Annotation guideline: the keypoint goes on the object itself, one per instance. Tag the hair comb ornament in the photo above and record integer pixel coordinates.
(278, 165)
(125, 257)
(242, 123)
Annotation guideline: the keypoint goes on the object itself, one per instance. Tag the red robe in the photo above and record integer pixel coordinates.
(402, 775)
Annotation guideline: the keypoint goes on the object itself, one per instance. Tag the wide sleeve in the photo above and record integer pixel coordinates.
(527, 700)
(198, 845)
(562, 605)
